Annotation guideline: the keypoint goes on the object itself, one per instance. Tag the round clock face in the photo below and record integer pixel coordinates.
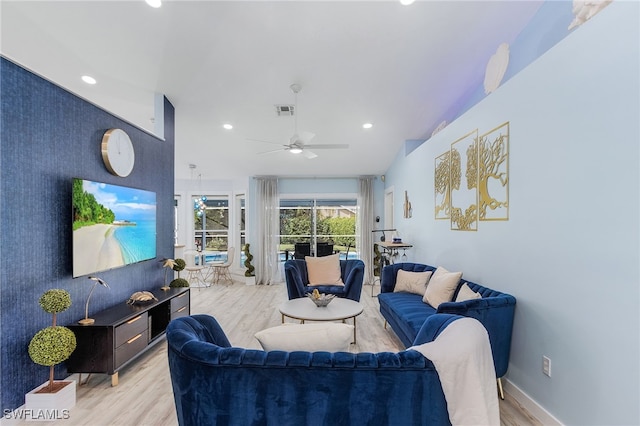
(117, 152)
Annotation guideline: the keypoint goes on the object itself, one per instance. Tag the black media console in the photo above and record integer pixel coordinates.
(123, 332)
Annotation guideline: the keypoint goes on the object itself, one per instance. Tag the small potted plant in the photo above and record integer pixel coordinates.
(49, 347)
(179, 265)
(250, 276)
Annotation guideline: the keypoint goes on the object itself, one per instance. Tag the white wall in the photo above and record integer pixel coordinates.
(570, 250)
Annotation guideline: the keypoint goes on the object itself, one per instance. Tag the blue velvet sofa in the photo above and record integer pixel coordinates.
(297, 280)
(406, 312)
(217, 384)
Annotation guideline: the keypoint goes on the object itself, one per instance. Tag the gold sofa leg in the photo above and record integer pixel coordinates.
(500, 390)
(385, 324)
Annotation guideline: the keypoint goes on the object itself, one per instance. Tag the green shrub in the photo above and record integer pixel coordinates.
(247, 263)
(55, 301)
(179, 265)
(52, 345)
(179, 282)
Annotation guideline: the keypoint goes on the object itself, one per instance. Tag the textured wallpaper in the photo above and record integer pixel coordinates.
(49, 136)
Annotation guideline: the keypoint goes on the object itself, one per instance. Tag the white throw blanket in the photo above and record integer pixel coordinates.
(463, 360)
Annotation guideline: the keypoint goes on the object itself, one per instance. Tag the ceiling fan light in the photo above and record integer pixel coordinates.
(88, 79)
(406, 2)
(295, 150)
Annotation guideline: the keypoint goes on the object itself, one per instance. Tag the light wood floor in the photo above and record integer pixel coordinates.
(144, 395)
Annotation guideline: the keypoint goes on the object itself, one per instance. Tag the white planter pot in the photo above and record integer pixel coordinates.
(63, 399)
(250, 280)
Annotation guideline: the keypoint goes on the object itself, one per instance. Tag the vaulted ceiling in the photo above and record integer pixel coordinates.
(401, 68)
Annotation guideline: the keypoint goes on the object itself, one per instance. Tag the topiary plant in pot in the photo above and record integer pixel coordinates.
(247, 262)
(179, 265)
(53, 345)
(250, 276)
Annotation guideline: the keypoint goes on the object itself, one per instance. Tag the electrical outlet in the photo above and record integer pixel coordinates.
(546, 365)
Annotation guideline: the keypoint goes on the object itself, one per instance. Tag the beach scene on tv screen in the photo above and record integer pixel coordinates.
(113, 226)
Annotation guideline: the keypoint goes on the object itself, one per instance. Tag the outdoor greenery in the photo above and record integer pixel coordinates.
(86, 210)
(216, 220)
(295, 223)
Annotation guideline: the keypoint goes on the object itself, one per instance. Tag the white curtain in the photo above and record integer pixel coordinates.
(364, 225)
(268, 229)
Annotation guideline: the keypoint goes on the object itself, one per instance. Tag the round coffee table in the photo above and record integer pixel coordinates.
(304, 309)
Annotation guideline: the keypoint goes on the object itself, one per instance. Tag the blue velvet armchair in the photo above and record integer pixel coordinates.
(352, 273)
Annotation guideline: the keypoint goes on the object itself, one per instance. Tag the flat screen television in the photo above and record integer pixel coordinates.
(113, 226)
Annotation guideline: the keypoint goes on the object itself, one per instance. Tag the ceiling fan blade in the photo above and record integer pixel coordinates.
(329, 146)
(305, 137)
(270, 152)
(309, 154)
(261, 140)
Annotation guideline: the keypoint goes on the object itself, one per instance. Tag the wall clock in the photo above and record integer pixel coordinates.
(117, 152)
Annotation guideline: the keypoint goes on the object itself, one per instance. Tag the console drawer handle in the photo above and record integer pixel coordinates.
(131, 321)
(133, 339)
(182, 295)
(182, 309)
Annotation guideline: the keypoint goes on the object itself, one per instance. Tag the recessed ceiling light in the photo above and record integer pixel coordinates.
(406, 2)
(88, 79)
(154, 3)
(227, 126)
(367, 125)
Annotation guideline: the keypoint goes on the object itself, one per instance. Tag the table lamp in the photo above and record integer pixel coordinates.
(87, 320)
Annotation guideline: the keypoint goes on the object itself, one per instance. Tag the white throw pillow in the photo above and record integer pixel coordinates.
(412, 282)
(441, 287)
(466, 293)
(324, 270)
(325, 336)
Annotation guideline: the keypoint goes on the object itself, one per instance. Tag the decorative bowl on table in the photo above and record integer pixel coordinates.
(320, 299)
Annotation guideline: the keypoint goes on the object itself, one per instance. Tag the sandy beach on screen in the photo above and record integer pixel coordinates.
(95, 249)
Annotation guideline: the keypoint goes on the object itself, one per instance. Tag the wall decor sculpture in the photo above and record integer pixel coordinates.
(464, 183)
(471, 180)
(493, 174)
(408, 210)
(441, 182)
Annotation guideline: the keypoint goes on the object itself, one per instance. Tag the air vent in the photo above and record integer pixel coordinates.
(284, 110)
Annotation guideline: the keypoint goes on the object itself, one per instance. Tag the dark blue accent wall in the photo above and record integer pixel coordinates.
(47, 137)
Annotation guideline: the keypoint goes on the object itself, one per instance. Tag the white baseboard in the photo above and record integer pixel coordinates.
(529, 404)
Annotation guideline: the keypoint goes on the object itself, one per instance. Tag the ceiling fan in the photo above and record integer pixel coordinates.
(299, 142)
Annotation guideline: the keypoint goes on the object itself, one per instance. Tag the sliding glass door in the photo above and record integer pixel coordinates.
(318, 221)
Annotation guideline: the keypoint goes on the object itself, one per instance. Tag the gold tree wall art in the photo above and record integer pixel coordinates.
(441, 182)
(493, 174)
(464, 183)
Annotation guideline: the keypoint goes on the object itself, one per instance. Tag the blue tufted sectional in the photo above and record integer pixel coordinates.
(406, 312)
(217, 384)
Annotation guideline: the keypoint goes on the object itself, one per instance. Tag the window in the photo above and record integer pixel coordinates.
(211, 225)
(316, 221)
(242, 228)
(176, 219)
